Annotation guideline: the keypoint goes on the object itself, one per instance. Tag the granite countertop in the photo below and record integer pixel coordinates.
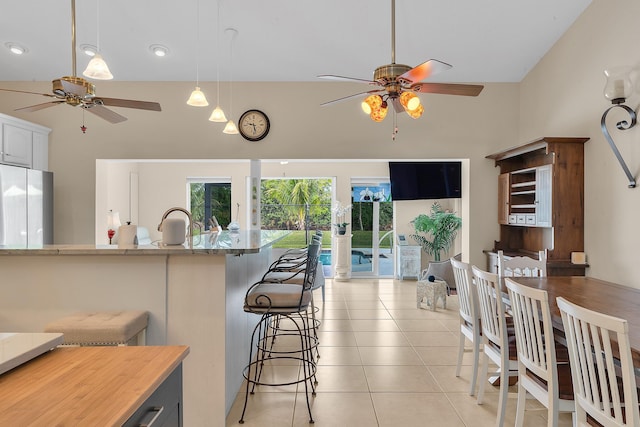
(222, 243)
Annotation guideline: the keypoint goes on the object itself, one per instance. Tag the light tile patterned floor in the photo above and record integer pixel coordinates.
(383, 363)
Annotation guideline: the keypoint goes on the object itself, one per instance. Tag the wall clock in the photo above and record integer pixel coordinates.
(253, 125)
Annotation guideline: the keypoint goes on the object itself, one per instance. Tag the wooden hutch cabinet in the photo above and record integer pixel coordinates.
(541, 201)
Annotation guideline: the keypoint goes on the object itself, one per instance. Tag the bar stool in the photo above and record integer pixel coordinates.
(95, 328)
(275, 303)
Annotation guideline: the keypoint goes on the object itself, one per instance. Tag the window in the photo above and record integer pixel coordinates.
(210, 199)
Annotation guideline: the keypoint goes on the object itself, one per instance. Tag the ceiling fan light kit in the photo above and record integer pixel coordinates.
(371, 103)
(398, 83)
(379, 113)
(409, 101)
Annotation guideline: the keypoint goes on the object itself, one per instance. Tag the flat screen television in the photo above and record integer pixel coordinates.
(425, 180)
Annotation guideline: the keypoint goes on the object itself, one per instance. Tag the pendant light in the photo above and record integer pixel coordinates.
(231, 128)
(217, 115)
(97, 67)
(197, 98)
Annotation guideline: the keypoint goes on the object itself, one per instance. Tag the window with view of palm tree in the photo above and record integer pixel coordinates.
(296, 203)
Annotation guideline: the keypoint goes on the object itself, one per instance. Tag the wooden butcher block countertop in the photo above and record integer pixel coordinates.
(85, 386)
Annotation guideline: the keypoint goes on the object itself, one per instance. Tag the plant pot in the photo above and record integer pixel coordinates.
(342, 231)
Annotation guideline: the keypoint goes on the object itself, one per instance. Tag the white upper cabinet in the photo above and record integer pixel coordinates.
(543, 196)
(23, 143)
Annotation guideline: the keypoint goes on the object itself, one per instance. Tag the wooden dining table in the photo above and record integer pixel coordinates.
(593, 294)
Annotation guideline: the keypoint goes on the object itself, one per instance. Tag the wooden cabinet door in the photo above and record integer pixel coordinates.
(504, 189)
(543, 196)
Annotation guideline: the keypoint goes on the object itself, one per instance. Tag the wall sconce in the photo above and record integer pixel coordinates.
(618, 88)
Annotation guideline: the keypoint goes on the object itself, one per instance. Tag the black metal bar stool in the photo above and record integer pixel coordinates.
(276, 302)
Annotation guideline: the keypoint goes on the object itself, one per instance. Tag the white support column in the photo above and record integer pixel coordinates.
(343, 257)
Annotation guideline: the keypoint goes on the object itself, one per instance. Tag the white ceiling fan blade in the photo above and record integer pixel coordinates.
(351, 96)
(424, 70)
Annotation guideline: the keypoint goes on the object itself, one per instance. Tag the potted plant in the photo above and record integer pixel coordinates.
(340, 212)
(437, 231)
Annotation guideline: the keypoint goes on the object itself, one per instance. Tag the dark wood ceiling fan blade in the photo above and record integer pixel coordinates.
(26, 91)
(345, 79)
(424, 70)
(448, 88)
(350, 96)
(129, 103)
(37, 107)
(105, 113)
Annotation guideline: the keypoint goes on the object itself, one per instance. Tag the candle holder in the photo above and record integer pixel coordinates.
(617, 89)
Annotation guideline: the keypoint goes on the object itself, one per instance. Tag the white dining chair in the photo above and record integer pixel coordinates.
(498, 338)
(540, 374)
(604, 382)
(469, 318)
(522, 266)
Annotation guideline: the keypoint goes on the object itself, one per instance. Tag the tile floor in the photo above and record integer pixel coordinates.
(383, 363)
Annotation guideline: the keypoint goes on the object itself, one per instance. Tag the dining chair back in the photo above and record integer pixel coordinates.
(601, 366)
(497, 337)
(469, 317)
(539, 373)
(522, 266)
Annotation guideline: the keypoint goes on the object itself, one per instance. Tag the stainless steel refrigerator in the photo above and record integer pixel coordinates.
(26, 207)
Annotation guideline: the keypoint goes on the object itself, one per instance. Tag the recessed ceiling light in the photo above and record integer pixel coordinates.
(159, 50)
(16, 48)
(89, 49)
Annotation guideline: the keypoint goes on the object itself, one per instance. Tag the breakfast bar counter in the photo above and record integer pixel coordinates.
(194, 295)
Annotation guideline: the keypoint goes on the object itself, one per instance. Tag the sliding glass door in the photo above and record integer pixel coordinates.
(372, 228)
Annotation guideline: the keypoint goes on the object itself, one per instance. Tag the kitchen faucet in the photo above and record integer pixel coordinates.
(187, 213)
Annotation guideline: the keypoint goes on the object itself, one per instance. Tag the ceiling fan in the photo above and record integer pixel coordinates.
(398, 83)
(76, 91)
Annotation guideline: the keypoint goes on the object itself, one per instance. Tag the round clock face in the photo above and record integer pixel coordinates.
(253, 125)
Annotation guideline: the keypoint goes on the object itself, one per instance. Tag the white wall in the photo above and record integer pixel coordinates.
(451, 127)
(563, 96)
(162, 184)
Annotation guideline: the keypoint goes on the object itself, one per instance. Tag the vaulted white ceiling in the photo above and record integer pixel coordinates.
(283, 40)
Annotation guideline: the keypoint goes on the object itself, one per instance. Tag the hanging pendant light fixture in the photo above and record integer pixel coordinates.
(97, 67)
(231, 128)
(217, 115)
(197, 98)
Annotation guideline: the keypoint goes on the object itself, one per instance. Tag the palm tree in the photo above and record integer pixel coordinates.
(296, 195)
(441, 226)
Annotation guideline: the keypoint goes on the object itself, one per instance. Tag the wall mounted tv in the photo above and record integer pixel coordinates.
(425, 180)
